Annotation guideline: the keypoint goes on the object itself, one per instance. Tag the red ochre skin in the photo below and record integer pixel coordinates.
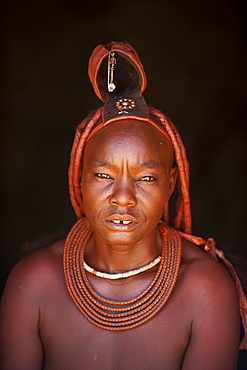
(198, 328)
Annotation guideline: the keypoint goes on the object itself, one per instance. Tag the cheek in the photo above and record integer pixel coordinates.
(93, 197)
(164, 196)
(156, 200)
(86, 193)
(94, 191)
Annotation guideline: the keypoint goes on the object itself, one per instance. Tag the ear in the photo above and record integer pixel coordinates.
(173, 179)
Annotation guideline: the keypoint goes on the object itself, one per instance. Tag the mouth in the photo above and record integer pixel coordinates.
(119, 222)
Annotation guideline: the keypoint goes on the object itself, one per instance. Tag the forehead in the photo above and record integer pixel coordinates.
(130, 136)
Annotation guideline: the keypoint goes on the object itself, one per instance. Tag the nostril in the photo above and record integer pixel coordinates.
(123, 197)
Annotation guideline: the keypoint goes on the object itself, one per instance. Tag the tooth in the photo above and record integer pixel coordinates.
(116, 221)
(126, 222)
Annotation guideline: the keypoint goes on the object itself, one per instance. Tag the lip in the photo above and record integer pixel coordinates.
(121, 218)
(124, 222)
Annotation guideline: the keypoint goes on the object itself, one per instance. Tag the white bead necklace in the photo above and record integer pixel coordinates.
(121, 275)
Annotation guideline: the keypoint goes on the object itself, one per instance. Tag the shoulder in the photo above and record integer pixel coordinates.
(207, 282)
(35, 272)
(197, 263)
(41, 261)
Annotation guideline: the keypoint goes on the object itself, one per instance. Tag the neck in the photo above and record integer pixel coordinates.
(114, 258)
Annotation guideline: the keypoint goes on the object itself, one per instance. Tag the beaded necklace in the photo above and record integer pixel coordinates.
(112, 314)
(121, 275)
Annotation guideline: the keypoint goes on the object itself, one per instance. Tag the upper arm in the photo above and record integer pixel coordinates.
(214, 337)
(20, 343)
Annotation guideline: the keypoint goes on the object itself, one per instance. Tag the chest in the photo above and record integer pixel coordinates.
(71, 341)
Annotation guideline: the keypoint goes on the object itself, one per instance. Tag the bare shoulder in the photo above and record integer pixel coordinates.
(43, 259)
(204, 272)
(206, 282)
(34, 271)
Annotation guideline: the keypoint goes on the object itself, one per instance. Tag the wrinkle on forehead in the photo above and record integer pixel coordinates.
(142, 165)
(134, 130)
(132, 127)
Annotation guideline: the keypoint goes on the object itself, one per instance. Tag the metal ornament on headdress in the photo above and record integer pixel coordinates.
(124, 105)
(111, 63)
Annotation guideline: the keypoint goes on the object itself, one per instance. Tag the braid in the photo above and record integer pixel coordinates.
(182, 219)
(74, 173)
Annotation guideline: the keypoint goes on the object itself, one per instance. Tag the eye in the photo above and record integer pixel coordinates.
(147, 179)
(102, 175)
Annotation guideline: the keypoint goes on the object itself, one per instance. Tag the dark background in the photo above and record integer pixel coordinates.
(194, 53)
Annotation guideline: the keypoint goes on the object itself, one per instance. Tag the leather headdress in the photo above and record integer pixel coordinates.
(122, 90)
(129, 80)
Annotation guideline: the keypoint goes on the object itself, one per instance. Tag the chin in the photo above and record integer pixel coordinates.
(121, 239)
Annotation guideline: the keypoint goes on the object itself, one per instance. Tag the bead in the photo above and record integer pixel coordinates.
(111, 87)
(122, 274)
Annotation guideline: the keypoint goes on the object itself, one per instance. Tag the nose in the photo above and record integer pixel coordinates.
(123, 195)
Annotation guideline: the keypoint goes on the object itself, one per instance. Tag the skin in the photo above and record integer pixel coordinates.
(198, 328)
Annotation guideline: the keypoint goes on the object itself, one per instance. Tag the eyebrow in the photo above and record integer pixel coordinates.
(101, 163)
(148, 164)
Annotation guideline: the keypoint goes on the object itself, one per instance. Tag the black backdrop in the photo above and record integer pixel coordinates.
(194, 53)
